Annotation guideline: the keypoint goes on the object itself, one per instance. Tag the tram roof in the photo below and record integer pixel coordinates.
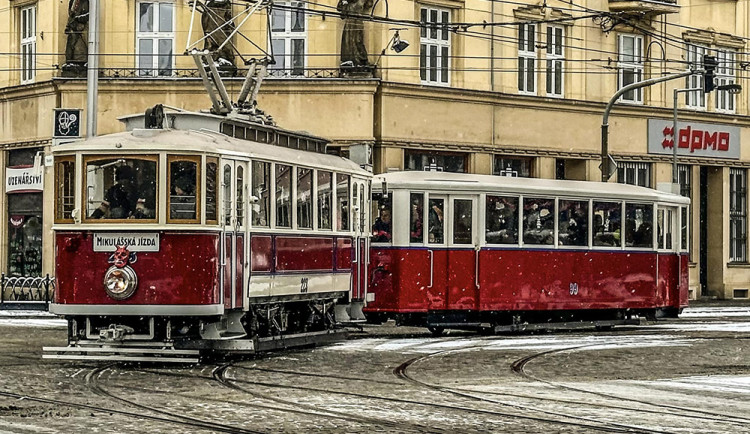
(455, 183)
(170, 140)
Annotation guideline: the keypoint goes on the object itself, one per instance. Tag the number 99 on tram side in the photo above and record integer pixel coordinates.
(499, 253)
(211, 235)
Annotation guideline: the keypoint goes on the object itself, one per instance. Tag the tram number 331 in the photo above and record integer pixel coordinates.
(573, 289)
(303, 285)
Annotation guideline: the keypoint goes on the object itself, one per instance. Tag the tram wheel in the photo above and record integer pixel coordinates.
(436, 331)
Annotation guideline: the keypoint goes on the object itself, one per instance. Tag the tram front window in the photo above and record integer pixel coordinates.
(121, 188)
(381, 215)
(183, 177)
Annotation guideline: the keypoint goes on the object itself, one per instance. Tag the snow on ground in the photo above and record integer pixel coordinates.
(702, 326)
(716, 312)
(498, 343)
(710, 383)
(33, 322)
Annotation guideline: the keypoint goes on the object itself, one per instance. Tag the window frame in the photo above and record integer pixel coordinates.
(527, 55)
(217, 184)
(634, 165)
(737, 216)
(694, 55)
(724, 100)
(84, 196)
(555, 53)
(27, 41)
(441, 41)
(59, 181)
(155, 36)
(171, 158)
(288, 35)
(636, 66)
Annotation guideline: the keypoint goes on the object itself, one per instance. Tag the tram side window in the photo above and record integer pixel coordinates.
(462, 221)
(381, 216)
(183, 176)
(436, 221)
(416, 232)
(227, 184)
(606, 224)
(664, 222)
(283, 195)
(324, 200)
(684, 230)
(501, 224)
(212, 165)
(304, 198)
(121, 188)
(362, 210)
(261, 175)
(538, 221)
(64, 188)
(240, 187)
(573, 221)
(342, 201)
(638, 225)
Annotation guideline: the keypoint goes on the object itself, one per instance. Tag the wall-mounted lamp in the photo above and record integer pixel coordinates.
(396, 43)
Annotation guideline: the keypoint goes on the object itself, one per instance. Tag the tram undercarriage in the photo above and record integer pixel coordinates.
(490, 322)
(185, 339)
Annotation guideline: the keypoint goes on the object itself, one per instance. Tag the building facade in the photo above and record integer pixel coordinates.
(487, 87)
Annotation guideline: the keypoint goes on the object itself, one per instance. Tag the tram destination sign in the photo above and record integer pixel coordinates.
(135, 242)
(695, 139)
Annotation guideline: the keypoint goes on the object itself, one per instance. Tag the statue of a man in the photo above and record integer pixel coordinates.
(76, 46)
(215, 14)
(353, 37)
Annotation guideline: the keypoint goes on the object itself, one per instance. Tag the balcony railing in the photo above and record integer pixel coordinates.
(292, 73)
(654, 7)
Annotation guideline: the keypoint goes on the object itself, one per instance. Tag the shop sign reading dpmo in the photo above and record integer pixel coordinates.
(695, 139)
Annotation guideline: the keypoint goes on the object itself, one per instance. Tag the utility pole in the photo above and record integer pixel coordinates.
(606, 173)
(92, 80)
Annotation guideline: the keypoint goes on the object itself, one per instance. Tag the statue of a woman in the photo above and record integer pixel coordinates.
(353, 37)
(76, 47)
(215, 14)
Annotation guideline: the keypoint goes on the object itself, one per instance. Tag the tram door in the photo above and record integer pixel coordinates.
(463, 254)
(361, 242)
(234, 240)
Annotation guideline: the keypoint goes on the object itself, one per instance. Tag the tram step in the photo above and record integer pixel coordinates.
(121, 354)
(573, 325)
(121, 358)
(110, 349)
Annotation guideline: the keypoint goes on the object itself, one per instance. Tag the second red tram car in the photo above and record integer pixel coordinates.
(498, 253)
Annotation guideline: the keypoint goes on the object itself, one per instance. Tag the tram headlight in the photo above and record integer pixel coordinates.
(120, 283)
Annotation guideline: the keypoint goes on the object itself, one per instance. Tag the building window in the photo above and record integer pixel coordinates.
(434, 46)
(737, 215)
(725, 76)
(634, 173)
(440, 161)
(630, 66)
(695, 100)
(289, 39)
(155, 38)
(555, 60)
(527, 58)
(28, 44)
(512, 166)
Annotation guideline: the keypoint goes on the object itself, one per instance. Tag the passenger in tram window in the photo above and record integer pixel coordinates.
(416, 223)
(501, 227)
(182, 201)
(436, 221)
(643, 236)
(539, 222)
(381, 229)
(121, 199)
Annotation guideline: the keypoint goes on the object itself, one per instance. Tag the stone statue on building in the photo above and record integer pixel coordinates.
(353, 50)
(214, 15)
(76, 46)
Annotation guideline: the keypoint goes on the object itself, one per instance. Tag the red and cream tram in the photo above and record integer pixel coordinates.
(501, 253)
(212, 234)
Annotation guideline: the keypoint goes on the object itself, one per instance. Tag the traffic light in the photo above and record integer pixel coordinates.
(709, 65)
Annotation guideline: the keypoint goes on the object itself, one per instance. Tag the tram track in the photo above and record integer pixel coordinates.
(92, 383)
(401, 371)
(519, 365)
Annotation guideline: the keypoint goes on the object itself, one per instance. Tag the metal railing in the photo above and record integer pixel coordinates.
(26, 292)
(289, 73)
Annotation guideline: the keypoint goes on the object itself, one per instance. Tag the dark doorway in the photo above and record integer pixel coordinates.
(702, 226)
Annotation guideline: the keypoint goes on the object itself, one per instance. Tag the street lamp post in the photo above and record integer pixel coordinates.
(731, 88)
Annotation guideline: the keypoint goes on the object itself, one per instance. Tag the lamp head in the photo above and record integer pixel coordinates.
(399, 45)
